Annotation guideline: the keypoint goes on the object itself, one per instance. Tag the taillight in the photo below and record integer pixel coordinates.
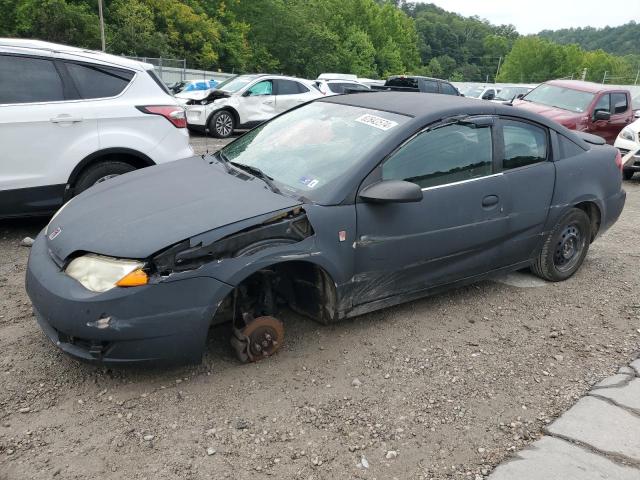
(173, 113)
(618, 160)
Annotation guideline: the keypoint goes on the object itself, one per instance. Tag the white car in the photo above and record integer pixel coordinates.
(340, 86)
(629, 141)
(246, 101)
(482, 92)
(71, 118)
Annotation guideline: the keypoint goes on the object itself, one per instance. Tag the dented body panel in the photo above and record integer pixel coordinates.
(213, 238)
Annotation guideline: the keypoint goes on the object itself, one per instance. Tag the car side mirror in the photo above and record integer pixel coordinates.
(601, 115)
(489, 96)
(392, 191)
(636, 114)
(520, 96)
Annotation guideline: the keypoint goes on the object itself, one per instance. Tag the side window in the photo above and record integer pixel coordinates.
(429, 86)
(524, 144)
(568, 149)
(28, 80)
(261, 88)
(447, 89)
(603, 104)
(448, 154)
(287, 87)
(98, 82)
(302, 88)
(619, 102)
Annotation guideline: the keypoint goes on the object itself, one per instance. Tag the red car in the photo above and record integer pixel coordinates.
(584, 106)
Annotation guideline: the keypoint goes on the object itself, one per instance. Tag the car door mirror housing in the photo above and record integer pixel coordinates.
(636, 114)
(601, 115)
(392, 191)
(489, 96)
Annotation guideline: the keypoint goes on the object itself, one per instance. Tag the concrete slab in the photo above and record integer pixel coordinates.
(627, 396)
(627, 370)
(601, 425)
(617, 380)
(636, 366)
(554, 459)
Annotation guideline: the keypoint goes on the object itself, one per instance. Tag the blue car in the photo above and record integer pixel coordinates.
(341, 206)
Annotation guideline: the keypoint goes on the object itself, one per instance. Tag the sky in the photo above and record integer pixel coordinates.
(531, 16)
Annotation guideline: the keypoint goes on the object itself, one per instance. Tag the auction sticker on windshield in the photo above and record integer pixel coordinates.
(377, 122)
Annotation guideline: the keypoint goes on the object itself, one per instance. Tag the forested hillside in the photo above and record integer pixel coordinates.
(622, 40)
(372, 38)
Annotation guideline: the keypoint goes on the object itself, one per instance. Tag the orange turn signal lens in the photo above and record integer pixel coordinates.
(133, 279)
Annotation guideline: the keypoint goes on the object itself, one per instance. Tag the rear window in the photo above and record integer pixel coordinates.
(28, 80)
(96, 81)
(402, 82)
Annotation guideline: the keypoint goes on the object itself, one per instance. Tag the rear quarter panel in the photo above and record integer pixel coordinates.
(591, 176)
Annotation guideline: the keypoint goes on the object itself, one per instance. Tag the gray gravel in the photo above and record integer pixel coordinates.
(452, 384)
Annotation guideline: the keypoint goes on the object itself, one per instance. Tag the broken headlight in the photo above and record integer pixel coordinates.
(99, 273)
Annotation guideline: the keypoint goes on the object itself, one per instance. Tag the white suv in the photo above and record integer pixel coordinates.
(70, 118)
(246, 101)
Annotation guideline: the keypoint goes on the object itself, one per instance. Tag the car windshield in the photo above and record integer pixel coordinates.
(235, 84)
(311, 147)
(509, 93)
(560, 97)
(635, 102)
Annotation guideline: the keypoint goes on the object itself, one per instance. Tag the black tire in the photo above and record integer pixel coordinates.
(222, 124)
(565, 248)
(627, 174)
(100, 172)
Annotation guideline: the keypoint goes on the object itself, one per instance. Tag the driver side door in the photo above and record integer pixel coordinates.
(258, 103)
(454, 232)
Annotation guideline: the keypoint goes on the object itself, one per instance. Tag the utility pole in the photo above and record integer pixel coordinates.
(498, 70)
(584, 74)
(101, 25)
(636, 80)
(604, 79)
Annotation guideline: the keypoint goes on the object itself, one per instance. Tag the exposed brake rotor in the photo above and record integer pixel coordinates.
(261, 338)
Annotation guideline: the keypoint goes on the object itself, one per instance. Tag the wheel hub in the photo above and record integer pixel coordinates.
(568, 247)
(261, 338)
(223, 124)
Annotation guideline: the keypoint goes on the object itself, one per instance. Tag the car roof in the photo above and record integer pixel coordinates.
(430, 107)
(39, 47)
(418, 76)
(582, 86)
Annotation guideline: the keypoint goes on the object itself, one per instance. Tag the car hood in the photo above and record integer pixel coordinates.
(563, 117)
(138, 214)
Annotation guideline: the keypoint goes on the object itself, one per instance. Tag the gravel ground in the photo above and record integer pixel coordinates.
(444, 388)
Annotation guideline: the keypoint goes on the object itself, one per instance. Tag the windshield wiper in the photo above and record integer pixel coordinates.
(256, 172)
(222, 158)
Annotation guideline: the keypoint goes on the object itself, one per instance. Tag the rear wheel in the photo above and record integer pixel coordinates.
(222, 124)
(101, 172)
(565, 247)
(627, 174)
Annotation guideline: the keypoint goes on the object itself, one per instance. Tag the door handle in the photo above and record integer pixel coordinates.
(268, 102)
(490, 201)
(64, 118)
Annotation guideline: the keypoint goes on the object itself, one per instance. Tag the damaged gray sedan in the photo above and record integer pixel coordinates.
(340, 207)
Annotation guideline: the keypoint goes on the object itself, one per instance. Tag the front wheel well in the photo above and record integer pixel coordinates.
(305, 287)
(593, 212)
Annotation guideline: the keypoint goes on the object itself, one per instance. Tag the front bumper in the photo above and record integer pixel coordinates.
(167, 321)
(625, 146)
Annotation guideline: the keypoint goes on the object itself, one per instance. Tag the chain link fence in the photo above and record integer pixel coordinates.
(172, 70)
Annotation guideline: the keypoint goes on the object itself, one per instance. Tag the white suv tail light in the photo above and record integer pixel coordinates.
(173, 113)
